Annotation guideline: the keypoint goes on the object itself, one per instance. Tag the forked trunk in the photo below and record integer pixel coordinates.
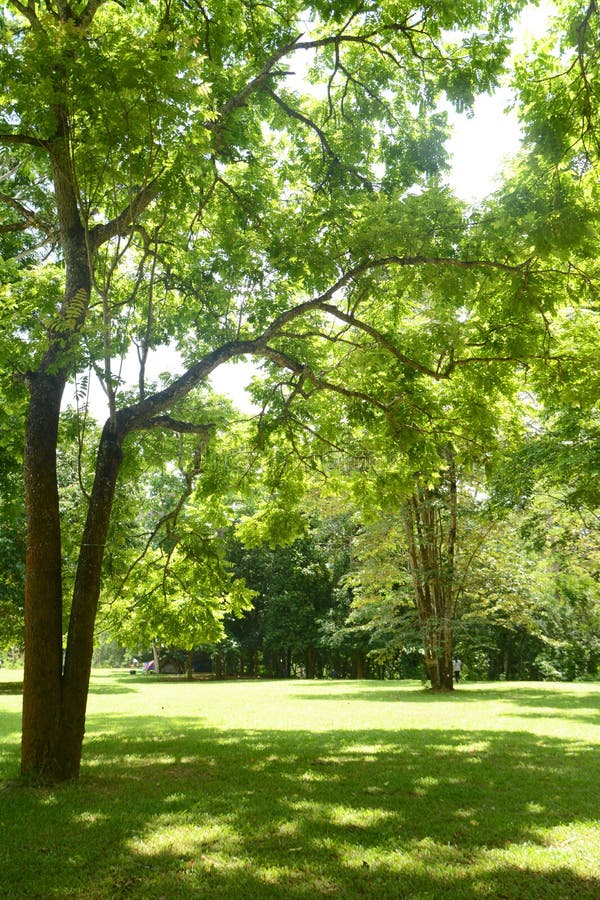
(54, 701)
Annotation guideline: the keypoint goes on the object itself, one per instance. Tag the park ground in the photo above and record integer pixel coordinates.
(303, 789)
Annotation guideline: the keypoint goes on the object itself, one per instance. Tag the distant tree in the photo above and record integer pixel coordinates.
(293, 591)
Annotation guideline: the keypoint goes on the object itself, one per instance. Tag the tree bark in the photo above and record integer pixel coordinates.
(43, 581)
(86, 593)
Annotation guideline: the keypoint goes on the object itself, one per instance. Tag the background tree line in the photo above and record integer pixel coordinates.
(339, 601)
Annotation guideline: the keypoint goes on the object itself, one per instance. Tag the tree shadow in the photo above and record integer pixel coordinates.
(182, 810)
(537, 698)
(11, 687)
(119, 684)
(563, 699)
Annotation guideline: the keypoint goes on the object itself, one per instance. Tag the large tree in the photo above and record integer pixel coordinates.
(172, 186)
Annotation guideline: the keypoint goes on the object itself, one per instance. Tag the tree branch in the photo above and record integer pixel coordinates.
(242, 96)
(136, 416)
(170, 424)
(29, 217)
(381, 339)
(30, 139)
(28, 12)
(122, 224)
(306, 373)
(85, 18)
(326, 146)
(255, 83)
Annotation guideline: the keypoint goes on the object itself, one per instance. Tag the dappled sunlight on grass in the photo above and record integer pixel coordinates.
(183, 839)
(255, 790)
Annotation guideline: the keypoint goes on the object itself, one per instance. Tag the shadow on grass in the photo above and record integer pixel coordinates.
(187, 811)
(563, 699)
(118, 684)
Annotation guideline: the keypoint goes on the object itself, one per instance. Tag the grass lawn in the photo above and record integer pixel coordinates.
(308, 789)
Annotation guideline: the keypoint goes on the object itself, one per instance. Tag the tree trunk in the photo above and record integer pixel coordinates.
(42, 689)
(360, 666)
(86, 593)
(54, 700)
(431, 551)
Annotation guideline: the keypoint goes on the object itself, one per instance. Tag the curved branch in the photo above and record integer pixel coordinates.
(242, 96)
(381, 339)
(138, 415)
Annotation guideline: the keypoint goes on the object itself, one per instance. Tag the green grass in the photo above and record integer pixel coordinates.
(312, 789)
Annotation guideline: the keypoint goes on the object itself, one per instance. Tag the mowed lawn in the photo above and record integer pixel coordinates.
(308, 789)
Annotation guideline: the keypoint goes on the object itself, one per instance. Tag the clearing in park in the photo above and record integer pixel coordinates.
(309, 789)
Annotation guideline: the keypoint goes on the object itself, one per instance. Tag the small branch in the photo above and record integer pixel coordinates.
(169, 424)
(326, 147)
(242, 96)
(306, 374)
(29, 217)
(382, 340)
(588, 105)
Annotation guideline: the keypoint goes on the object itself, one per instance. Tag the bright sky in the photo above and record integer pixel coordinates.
(479, 147)
(481, 143)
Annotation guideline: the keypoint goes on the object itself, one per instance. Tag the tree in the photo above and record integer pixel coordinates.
(293, 586)
(169, 184)
(406, 439)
